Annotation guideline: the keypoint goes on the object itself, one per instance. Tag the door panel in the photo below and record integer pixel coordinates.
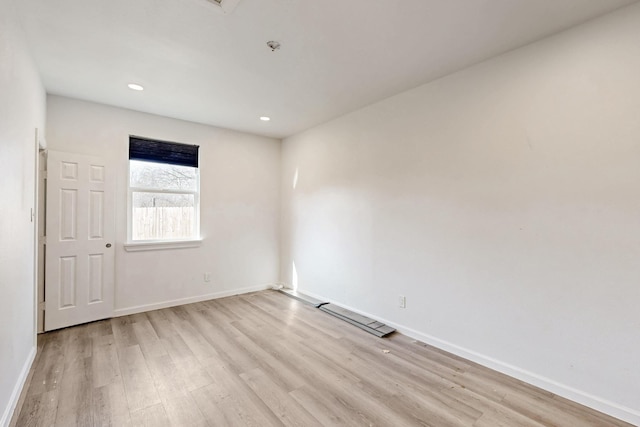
(80, 223)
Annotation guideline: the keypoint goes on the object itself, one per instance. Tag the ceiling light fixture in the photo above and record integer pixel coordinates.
(265, 118)
(134, 86)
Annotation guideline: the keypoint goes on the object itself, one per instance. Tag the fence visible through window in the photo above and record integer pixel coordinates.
(157, 223)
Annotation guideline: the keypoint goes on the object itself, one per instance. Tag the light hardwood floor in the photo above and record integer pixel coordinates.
(264, 359)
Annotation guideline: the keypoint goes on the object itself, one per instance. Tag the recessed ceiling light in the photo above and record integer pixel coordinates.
(265, 118)
(134, 86)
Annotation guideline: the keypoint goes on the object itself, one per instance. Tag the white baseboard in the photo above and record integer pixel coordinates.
(599, 404)
(17, 389)
(189, 300)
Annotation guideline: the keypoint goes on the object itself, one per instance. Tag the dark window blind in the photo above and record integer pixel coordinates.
(171, 153)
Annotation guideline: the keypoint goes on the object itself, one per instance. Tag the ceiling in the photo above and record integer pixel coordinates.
(198, 63)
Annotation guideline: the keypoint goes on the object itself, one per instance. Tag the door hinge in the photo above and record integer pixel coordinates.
(42, 305)
(42, 240)
(43, 174)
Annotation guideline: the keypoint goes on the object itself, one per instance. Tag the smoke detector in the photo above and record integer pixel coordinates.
(273, 45)
(224, 6)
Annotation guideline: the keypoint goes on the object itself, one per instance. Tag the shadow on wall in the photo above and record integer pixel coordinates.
(294, 276)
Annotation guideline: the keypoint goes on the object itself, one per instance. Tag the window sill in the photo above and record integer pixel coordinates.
(161, 245)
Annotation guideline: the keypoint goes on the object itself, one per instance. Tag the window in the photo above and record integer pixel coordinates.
(164, 190)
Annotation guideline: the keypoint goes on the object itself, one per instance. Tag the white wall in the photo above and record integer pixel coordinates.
(239, 204)
(22, 108)
(503, 201)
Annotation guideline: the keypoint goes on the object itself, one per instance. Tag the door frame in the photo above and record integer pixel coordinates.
(40, 230)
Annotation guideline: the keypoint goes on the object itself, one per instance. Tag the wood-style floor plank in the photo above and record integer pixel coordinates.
(138, 384)
(110, 406)
(38, 410)
(48, 372)
(153, 416)
(150, 343)
(75, 406)
(290, 413)
(230, 398)
(104, 363)
(264, 359)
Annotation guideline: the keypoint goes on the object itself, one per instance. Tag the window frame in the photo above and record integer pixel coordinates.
(156, 244)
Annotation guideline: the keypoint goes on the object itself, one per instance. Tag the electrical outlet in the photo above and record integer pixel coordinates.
(402, 301)
(207, 277)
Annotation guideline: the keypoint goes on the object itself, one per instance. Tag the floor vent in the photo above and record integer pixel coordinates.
(366, 324)
(302, 297)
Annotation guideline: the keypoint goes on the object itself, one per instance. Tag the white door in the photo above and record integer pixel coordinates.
(79, 265)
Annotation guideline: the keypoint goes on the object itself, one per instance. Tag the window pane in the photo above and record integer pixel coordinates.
(157, 216)
(162, 176)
